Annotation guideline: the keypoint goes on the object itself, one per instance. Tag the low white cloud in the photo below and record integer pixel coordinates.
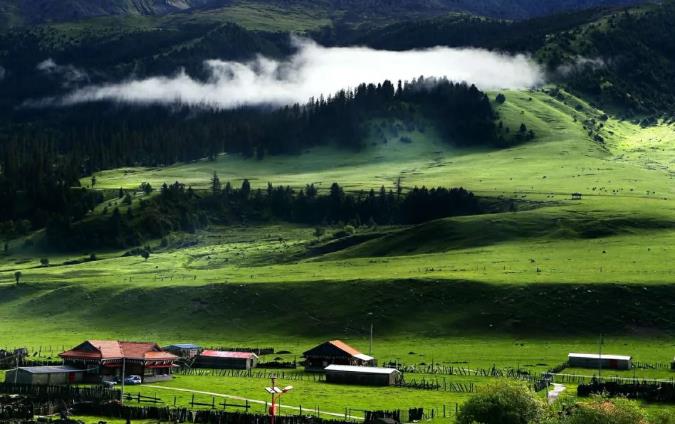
(580, 64)
(68, 74)
(315, 70)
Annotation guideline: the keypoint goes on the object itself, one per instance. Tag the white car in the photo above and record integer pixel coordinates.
(133, 379)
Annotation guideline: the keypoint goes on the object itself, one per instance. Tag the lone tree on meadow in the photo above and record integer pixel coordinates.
(319, 232)
(500, 98)
(17, 277)
(145, 254)
(502, 402)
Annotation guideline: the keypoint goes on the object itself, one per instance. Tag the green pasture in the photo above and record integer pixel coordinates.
(518, 289)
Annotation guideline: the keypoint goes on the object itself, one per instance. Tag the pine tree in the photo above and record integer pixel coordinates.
(215, 184)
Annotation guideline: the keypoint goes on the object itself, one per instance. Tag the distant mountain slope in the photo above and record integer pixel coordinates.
(521, 9)
(15, 12)
(39, 11)
(622, 59)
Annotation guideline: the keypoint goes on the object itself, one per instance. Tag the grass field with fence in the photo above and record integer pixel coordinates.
(516, 290)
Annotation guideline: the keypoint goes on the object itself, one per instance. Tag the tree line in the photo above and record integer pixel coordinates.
(180, 208)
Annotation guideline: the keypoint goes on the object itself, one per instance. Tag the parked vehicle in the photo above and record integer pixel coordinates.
(133, 379)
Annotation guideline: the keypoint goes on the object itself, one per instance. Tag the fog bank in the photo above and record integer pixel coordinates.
(315, 70)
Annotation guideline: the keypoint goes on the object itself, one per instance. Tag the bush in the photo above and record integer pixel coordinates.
(502, 402)
(605, 411)
(661, 417)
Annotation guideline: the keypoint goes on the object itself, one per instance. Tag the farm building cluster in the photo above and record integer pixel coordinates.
(98, 361)
(101, 361)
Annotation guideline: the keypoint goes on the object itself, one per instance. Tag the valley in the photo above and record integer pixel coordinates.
(177, 222)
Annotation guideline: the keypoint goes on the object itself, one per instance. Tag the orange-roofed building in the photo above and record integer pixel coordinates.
(105, 359)
(335, 352)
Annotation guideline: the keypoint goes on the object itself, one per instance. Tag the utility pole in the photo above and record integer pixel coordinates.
(370, 346)
(124, 365)
(16, 371)
(273, 410)
(276, 393)
(602, 341)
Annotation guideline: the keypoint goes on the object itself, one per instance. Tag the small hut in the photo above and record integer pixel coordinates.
(363, 376)
(335, 352)
(595, 360)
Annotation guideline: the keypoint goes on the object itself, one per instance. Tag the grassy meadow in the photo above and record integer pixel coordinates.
(519, 289)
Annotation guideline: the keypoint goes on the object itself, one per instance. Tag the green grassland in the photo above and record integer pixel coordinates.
(519, 289)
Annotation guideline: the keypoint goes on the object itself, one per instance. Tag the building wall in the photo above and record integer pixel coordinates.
(361, 379)
(610, 364)
(318, 363)
(51, 379)
(224, 363)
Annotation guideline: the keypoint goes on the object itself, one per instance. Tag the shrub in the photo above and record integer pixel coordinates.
(502, 402)
(661, 417)
(319, 232)
(606, 411)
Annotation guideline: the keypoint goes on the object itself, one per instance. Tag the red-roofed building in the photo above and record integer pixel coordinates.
(104, 359)
(335, 352)
(226, 360)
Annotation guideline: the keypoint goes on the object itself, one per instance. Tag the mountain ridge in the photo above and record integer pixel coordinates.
(16, 12)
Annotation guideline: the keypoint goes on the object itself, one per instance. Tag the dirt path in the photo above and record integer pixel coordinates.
(259, 402)
(555, 392)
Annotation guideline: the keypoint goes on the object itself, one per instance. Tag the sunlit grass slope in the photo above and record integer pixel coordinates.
(562, 160)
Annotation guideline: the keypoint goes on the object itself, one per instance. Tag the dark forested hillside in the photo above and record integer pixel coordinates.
(624, 59)
(56, 153)
(621, 59)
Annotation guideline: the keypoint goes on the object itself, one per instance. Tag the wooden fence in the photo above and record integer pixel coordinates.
(61, 393)
(653, 365)
(647, 391)
(165, 414)
(278, 365)
(436, 384)
(450, 370)
(292, 376)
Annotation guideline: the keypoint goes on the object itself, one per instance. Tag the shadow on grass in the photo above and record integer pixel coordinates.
(321, 309)
(484, 230)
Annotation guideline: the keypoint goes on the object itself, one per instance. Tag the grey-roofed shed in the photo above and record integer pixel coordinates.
(183, 350)
(45, 375)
